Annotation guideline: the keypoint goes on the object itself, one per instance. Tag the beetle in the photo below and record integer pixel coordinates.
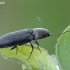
(24, 36)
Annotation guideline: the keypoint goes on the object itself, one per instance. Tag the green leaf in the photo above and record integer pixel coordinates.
(63, 50)
(37, 61)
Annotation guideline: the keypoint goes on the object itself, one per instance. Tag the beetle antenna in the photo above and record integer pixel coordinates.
(51, 34)
(61, 33)
(41, 22)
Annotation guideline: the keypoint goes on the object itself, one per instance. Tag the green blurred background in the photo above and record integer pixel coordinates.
(21, 14)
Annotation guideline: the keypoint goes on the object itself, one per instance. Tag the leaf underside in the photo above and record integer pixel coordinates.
(37, 61)
(63, 50)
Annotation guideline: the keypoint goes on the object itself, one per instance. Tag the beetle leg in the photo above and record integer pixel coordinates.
(38, 45)
(31, 51)
(15, 47)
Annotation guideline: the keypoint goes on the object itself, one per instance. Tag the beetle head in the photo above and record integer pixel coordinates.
(40, 33)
